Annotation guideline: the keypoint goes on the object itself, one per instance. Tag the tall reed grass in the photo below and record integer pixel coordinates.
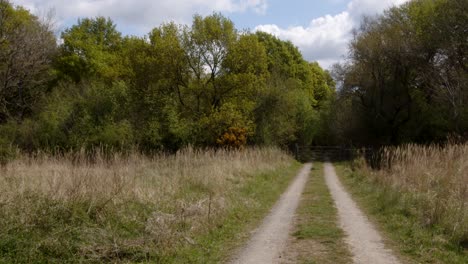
(432, 182)
(108, 207)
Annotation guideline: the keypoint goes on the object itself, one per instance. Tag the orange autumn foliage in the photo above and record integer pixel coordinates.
(235, 137)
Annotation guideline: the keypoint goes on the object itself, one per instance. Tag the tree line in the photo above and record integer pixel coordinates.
(207, 84)
(406, 77)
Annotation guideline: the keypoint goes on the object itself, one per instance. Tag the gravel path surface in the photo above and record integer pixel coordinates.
(270, 238)
(363, 239)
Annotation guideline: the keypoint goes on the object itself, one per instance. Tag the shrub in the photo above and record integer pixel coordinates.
(226, 126)
(234, 137)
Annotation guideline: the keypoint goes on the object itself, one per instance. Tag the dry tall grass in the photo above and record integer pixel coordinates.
(155, 179)
(434, 180)
(183, 194)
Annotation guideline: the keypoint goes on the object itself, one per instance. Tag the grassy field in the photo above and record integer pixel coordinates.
(192, 207)
(419, 198)
(318, 237)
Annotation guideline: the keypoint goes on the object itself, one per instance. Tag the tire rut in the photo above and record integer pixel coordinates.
(365, 242)
(268, 241)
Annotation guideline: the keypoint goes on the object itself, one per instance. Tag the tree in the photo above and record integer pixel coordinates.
(158, 67)
(406, 74)
(289, 109)
(205, 85)
(91, 49)
(27, 48)
(382, 75)
(207, 66)
(447, 71)
(285, 59)
(206, 45)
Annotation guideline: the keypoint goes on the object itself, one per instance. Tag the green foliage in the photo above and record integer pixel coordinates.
(298, 94)
(204, 85)
(405, 81)
(228, 120)
(284, 59)
(99, 118)
(76, 116)
(91, 50)
(323, 84)
(307, 119)
(27, 47)
(274, 116)
(407, 74)
(247, 56)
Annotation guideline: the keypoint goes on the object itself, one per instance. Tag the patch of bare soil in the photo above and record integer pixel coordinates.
(365, 242)
(269, 240)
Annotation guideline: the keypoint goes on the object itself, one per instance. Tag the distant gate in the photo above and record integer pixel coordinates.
(331, 153)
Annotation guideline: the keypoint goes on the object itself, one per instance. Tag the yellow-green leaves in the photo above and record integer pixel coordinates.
(27, 47)
(91, 49)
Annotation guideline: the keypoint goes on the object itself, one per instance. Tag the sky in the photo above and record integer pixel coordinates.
(320, 28)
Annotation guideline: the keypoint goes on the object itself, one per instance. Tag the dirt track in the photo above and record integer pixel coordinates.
(363, 239)
(269, 239)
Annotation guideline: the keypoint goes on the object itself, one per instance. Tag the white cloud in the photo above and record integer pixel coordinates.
(357, 8)
(326, 38)
(321, 40)
(141, 15)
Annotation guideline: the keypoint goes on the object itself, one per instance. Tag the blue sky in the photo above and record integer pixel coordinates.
(320, 28)
(287, 13)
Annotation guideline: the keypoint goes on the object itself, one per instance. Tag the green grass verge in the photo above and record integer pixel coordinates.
(261, 193)
(81, 232)
(319, 238)
(391, 210)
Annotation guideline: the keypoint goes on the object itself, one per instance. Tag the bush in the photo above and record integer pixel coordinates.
(226, 126)
(234, 137)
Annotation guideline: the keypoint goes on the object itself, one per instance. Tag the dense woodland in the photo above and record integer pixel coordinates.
(406, 78)
(210, 85)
